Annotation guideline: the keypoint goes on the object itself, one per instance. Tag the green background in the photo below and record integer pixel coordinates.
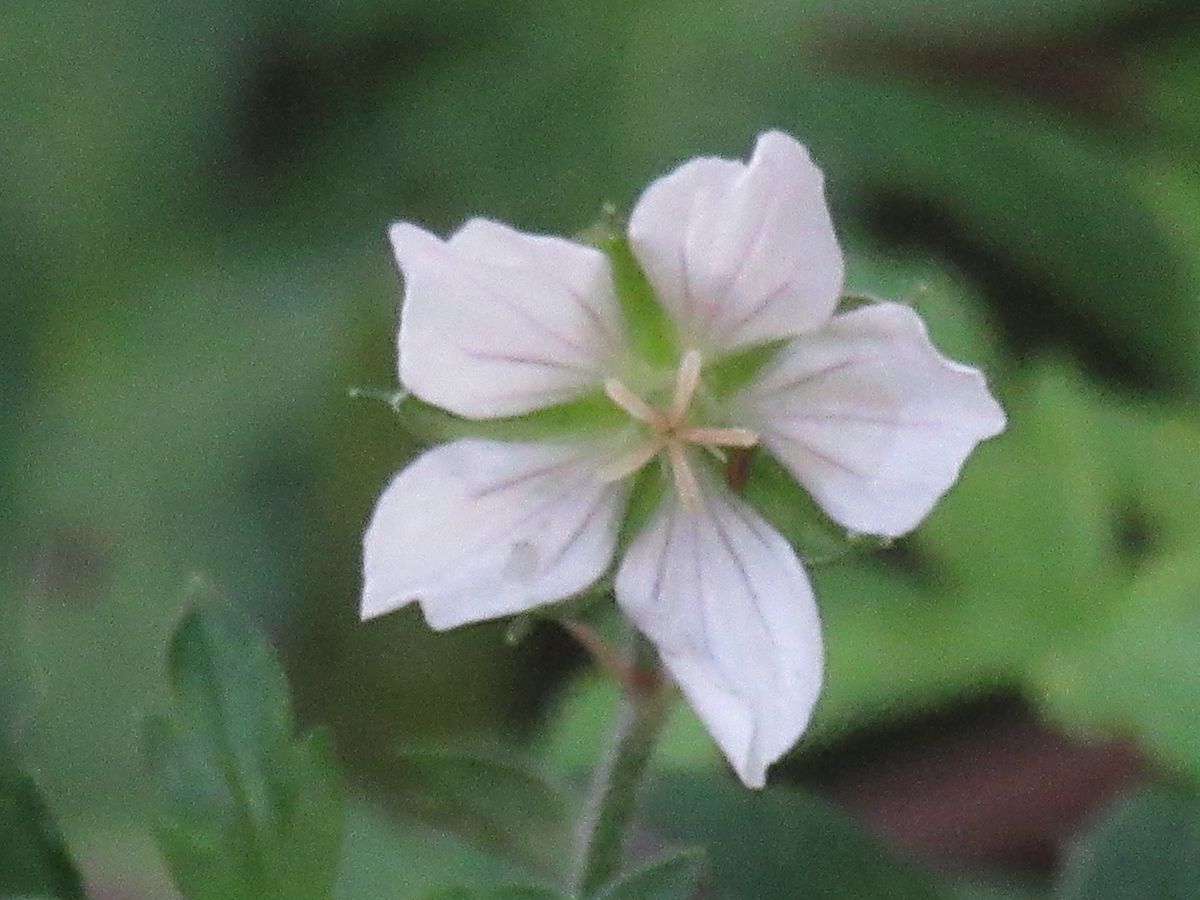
(193, 200)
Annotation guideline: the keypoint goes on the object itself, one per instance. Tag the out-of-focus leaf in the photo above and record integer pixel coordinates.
(983, 21)
(1027, 532)
(972, 891)
(1138, 675)
(1171, 73)
(246, 810)
(1147, 849)
(502, 806)
(14, 671)
(401, 859)
(1152, 449)
(894, 643)
(1051, 202)
(780, 845)
(503, 892)
(577, 735)
(673, 878)
(33, 858)
(111, 114)
(957, 320)
(1047, 200)
(1172, 187)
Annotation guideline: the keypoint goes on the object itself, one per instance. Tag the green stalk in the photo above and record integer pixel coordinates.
(612, 799)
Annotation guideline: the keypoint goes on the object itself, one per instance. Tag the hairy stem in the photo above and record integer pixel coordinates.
(612, 799)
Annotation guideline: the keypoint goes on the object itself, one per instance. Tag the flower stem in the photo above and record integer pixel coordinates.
(611, 801)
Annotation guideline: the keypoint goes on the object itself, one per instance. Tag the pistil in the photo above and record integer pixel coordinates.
(670, 433)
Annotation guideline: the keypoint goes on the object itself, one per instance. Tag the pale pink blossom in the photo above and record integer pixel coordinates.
(859, 406)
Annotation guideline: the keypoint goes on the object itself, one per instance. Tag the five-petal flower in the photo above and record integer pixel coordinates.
(859, 406)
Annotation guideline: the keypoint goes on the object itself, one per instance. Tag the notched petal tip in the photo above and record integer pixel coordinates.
(780, 148)
(727, 603)
(497, 322)
(409, 242)
(872, 419)
(741, 252)
(476, 530)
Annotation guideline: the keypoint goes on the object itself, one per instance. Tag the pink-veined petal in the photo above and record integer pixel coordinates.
(478, 529)
(496, 322)
(871, 419)
(726, 602)
(741, 253)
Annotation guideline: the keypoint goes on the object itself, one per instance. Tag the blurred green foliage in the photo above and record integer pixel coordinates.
(33, 859)
(193, 203)
(245, 810)
(1144, 850)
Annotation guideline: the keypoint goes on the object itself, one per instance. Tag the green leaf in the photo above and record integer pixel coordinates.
(895, 644)
(979, 20)
(781, 844)
(502, 806)
(1032, 543)
(1138, 671)
(1147, 849)
(1088, 208)
(245, 810)
(33, 857)
(398, 858)
(503, 892)
(673, 878)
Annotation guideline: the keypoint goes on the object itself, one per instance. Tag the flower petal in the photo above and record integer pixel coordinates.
(725, 600)
(498, 323)
(871, 419)
(479, 529)
(741, 253)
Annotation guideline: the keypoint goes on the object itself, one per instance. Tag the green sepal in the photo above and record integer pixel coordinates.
(591, 414)
(581, 606)
(733, 372)
(645, 494)
(651, 332)
(858, 300)
(774, 492)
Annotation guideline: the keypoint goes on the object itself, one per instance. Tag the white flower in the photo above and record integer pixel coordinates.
(859, 406)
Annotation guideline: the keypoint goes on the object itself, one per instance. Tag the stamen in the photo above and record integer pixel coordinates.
(632, 461)
(686, 380)
(685, 478)
(632, 403)
(721, 437)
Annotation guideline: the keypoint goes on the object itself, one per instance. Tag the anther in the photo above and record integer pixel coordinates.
(632, 403)
(632, 461)
(685, 478)
(686, 381)
(721, 437)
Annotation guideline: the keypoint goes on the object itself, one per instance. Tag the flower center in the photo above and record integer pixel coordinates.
(670, 432)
